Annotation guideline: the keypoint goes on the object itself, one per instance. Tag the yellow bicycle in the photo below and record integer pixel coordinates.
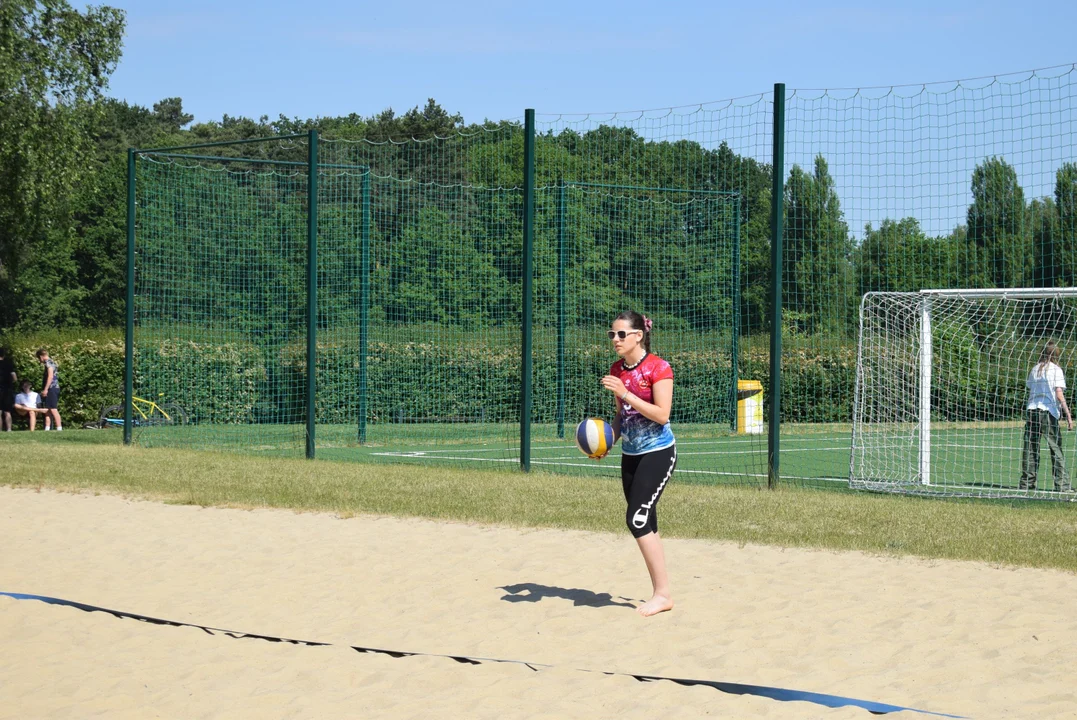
(144, 413)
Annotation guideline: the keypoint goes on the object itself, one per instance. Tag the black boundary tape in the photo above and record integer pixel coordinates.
(773, 693)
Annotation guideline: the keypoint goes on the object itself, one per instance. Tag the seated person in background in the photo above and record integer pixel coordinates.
(26, 405)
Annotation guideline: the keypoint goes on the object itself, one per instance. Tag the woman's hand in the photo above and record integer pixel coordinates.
(615, 386)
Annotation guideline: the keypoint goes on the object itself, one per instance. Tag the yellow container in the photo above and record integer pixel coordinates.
(749, 407)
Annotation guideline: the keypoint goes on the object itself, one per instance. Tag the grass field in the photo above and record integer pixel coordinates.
(968, 458)
(819, 455)
(1005, 532)
(705, 456)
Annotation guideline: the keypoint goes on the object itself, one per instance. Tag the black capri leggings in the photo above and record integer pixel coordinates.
(643, 478)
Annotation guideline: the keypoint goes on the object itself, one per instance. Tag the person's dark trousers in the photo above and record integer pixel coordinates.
(1041, 424)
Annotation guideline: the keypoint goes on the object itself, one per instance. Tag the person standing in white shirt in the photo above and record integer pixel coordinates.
(1046, 384)
(26, 404)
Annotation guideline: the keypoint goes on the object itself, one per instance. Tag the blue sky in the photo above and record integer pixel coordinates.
(489, 60)
(492, 60)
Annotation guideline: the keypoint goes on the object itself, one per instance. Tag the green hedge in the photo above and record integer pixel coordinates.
(472, 379)
(214, 382)
(818, 380)
(219, 383)
(230, 382)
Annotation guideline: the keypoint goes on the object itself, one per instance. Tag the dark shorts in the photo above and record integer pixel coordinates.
(7, 400)
(643, 478)
(52, 400)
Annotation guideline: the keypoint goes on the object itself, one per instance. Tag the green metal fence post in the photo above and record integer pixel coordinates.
(735, 361)
(562, 208)
(312, 282)
(364, 306)
(129, 330)
(526, 346)
(777, 212)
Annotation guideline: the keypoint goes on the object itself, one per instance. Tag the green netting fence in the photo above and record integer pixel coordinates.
(418, 252)
(967, 184)
(219, 303)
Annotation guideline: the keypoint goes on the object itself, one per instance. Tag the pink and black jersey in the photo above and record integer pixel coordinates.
(638, 434)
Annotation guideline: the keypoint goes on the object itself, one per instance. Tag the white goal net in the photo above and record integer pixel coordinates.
(941, 398)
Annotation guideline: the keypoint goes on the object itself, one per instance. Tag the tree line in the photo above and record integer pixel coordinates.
(63, 145)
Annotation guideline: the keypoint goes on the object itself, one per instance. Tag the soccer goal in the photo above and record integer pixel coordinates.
(940, 398)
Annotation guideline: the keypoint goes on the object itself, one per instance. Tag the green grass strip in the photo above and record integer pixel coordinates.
(1026, 534)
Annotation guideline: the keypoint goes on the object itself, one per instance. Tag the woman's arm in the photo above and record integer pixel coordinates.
(1065, 408)
(658, 411)
(616, 424)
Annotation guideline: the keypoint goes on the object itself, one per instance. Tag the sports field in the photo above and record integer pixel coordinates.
(967, 458)
(704, 455)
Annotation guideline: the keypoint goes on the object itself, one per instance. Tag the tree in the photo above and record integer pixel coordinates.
(1066, 228)
(169, 112)
(1048, 269)
(899, 257)
(818, 278)
(997, 227)
(752, 181)
(415, 123)
(435, 273)
(54, 63)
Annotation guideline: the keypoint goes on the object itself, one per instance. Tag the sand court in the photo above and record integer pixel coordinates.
(949, 637)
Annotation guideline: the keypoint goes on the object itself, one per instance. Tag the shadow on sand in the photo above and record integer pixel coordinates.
(532, 592)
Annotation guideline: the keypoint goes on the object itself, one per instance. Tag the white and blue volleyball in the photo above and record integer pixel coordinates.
(594, 437)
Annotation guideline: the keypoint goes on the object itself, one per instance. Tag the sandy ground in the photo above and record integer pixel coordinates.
(961, 638)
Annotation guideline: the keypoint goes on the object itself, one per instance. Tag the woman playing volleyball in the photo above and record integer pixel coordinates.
(642, 385)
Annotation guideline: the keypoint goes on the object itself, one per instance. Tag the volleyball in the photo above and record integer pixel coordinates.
(594, 437)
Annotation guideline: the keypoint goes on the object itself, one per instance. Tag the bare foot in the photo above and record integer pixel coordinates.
(657, 604)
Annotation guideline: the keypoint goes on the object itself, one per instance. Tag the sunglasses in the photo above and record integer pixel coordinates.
(620, 334)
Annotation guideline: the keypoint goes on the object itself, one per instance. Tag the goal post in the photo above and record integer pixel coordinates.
(940, 398)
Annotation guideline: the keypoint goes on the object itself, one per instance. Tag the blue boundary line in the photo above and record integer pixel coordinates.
(773, 693)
